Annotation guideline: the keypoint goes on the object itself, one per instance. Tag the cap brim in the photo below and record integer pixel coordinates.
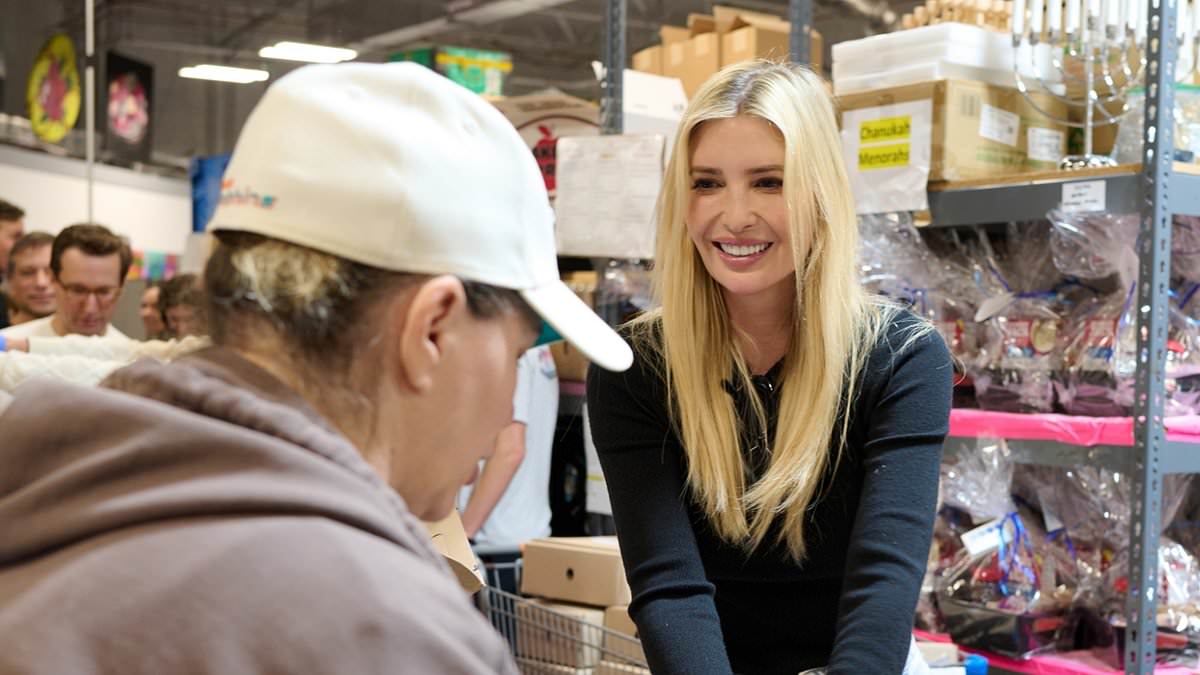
(580, 326)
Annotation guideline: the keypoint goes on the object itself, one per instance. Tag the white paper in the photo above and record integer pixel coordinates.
(993, 306)
(607, 188)
(1083, 197)
(999, 125)
(887, 151)
(983, 539)
(653, 104)
(1049, 517)
(1044, 145)
(597, 487)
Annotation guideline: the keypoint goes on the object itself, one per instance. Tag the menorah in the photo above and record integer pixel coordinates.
(1098, 48)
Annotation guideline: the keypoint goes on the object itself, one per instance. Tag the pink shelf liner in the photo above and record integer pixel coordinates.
(1070, 663)
(1071, 429)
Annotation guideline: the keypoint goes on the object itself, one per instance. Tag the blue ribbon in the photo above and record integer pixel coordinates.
(1051, 536)
(1008, 557)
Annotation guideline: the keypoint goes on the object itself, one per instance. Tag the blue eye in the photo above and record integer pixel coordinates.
(704, 184)
(769, 183)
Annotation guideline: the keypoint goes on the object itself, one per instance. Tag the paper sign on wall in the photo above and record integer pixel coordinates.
(607, 189)
(887, 152)
(597, 486)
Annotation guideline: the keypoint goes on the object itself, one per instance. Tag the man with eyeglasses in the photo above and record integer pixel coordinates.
(89, 264)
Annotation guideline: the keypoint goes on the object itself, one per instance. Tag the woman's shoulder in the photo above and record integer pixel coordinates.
(904, 337)
(644, 338)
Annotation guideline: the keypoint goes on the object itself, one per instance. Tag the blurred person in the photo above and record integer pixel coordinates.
(255, 507)
(181, 304)
(89, 264)
(12, 227)
(510, 503)
(30, 279)
(154, 324)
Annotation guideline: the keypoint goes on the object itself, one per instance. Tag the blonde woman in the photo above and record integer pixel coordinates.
(772, 456)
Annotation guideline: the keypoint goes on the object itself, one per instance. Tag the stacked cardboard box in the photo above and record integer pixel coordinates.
(708, 43)
(582, 598)
(569, 362)
(979, 130)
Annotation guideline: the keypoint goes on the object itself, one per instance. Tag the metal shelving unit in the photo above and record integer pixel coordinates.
(1033, 196)
(1174, 456)
(1157, 190)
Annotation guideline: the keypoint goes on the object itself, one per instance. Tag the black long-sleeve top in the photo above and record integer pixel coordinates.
(703, 605)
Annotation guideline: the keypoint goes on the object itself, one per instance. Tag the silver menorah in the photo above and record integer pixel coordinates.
(1096, 55)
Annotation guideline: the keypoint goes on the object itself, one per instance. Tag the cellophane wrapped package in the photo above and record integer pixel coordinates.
(1009, 588)
(1092, 508)
(1022, 326)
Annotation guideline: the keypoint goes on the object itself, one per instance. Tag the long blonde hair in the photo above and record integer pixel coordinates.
(835, 323)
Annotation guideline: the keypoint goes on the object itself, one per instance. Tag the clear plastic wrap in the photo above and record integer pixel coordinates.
(623, 291)
(897, 263)
(1009, 588)
(1021, 326)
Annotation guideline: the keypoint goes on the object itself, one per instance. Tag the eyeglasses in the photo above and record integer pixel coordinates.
(79, 293)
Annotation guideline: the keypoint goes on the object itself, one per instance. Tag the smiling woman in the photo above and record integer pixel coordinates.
(800, 417)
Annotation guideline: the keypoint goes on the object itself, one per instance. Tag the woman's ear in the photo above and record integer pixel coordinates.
(429, 324)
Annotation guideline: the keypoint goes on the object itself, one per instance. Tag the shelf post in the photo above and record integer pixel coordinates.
(1154, 244)
(612, 104)
(800, 15)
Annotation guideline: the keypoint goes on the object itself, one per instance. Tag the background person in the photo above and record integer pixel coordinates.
(30, 285)
(89, 264)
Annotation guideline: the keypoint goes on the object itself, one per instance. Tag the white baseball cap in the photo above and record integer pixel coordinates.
(394, 166)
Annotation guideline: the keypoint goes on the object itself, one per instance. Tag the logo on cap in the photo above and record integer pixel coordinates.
(244, 196)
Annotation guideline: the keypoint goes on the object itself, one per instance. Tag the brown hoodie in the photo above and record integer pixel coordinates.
(199, 517)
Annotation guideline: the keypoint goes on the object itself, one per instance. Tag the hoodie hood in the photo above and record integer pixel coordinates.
(209, 436)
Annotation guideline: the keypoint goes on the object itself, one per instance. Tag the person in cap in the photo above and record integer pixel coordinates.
(772, 457)
(255, 507)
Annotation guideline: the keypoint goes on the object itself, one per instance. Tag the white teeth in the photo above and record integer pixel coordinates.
(742, 250)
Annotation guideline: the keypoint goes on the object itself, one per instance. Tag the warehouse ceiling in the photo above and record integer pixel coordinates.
(553, 42)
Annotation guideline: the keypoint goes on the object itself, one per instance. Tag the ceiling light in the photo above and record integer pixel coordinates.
(207, 71)
(299, 51)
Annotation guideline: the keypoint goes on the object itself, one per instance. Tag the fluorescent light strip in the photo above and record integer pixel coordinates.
(299, 51)
(206, 71)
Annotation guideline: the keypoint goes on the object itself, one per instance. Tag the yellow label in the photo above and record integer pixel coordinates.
(883, 156)
(886, 129)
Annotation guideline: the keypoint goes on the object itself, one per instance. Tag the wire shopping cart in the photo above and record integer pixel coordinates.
(546, 641)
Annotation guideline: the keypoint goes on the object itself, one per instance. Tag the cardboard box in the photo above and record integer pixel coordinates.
(649, 60)
(535, 667)
(617, 619)
(562, 634)
(612, 668)
(693, 61)
(585, 570)
(979, 130)
(542, 119)
(747, 35)
(450, 539)
(569, 362)
(673, 34)
(481, 71)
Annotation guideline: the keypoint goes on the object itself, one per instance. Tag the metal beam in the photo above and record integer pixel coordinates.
(612, 108)
(800, 16)
(1150, 388)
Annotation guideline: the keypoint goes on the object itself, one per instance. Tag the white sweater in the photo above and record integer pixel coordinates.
(84, 359)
